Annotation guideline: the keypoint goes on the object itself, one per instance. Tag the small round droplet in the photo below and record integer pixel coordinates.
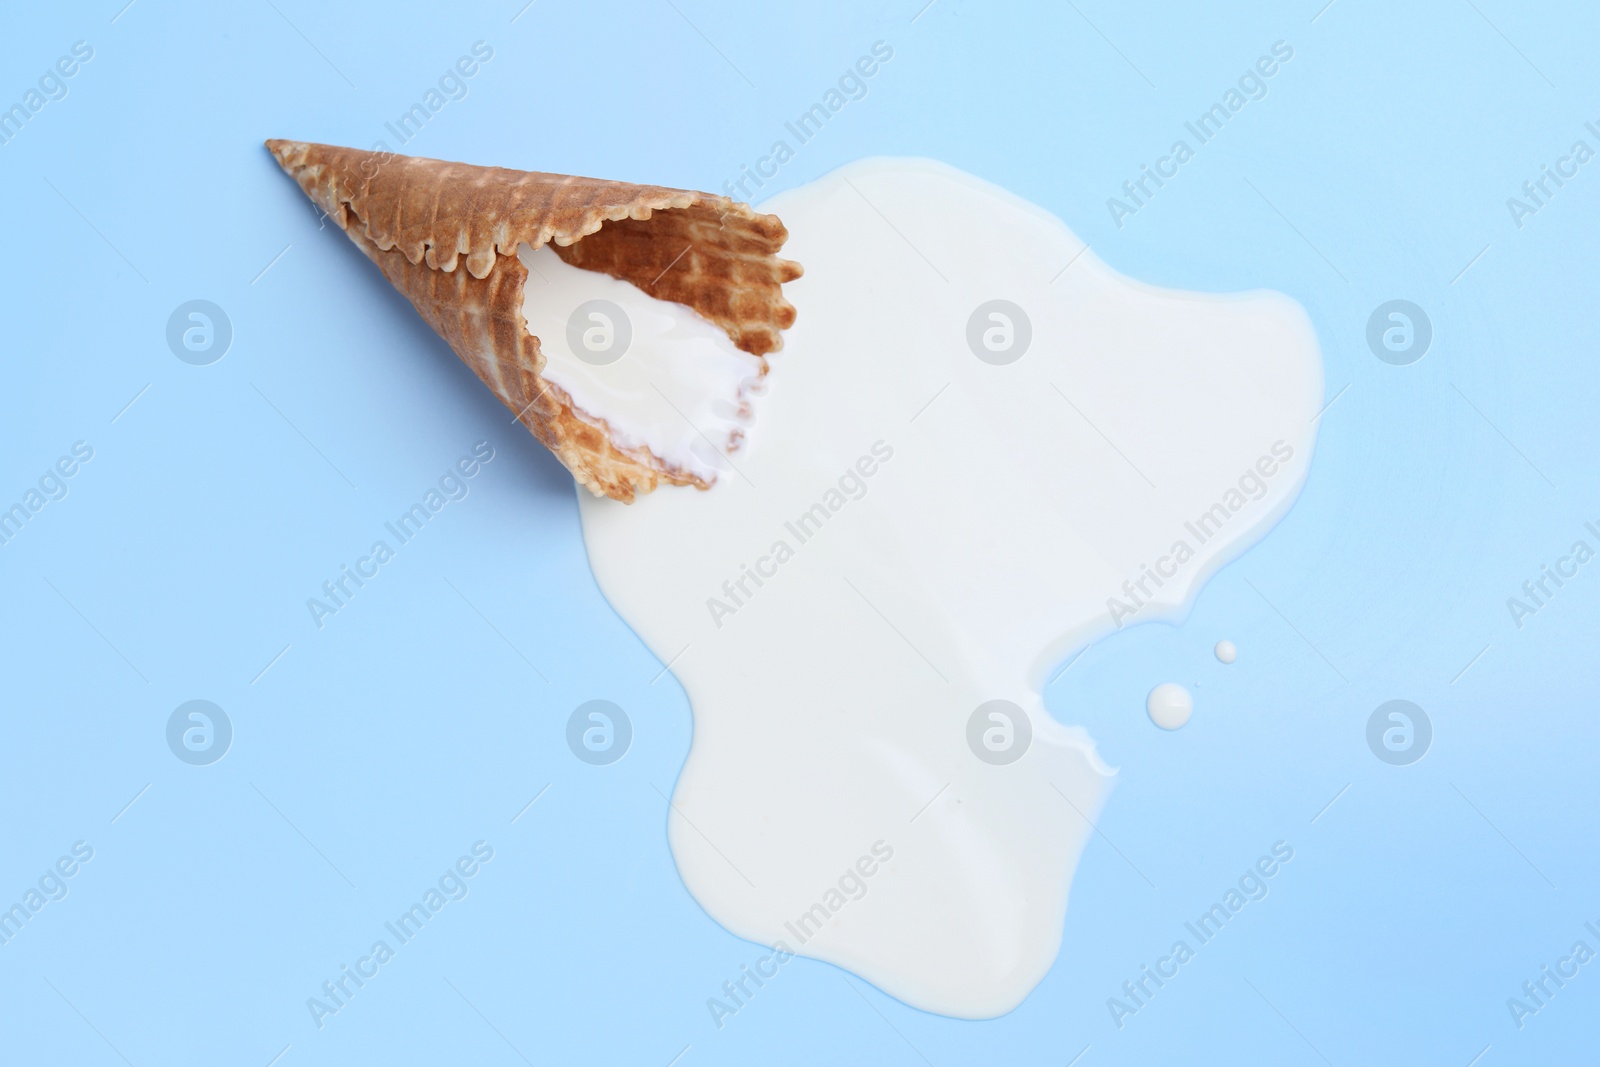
(1226, 652)
(1170, 705)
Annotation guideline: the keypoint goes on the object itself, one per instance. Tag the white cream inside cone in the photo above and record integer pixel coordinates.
(658, 375)
(920, 528)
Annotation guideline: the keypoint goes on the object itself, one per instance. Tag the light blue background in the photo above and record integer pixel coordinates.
(378, 749)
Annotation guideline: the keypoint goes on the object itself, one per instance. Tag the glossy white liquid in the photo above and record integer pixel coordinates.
(1226, 652)
(1169, 705)
(971, 521)
(658, 375)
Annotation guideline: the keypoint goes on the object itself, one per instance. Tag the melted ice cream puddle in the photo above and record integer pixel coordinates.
(660, 376)
(915, 531)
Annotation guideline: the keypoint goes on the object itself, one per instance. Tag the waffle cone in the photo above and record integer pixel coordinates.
(417, 218)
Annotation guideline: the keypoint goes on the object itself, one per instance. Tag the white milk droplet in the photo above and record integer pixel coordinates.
(1170, 705)
(1226, 652)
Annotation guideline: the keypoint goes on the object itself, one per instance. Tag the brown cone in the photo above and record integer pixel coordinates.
(415, 218)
